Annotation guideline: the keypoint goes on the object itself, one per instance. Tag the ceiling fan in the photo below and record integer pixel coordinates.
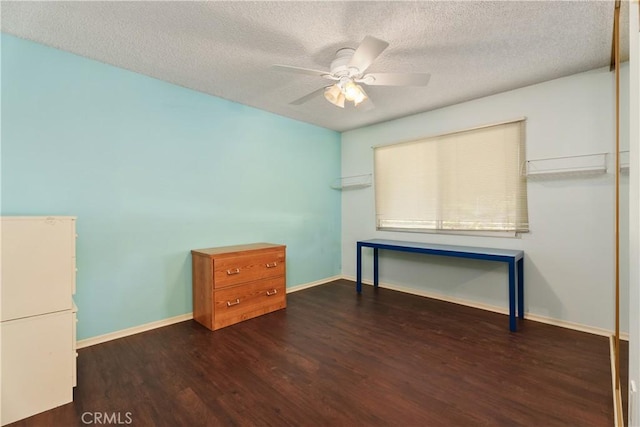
(348, 71)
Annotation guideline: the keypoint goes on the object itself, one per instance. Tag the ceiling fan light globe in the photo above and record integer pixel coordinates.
(331, 93)
(351, 91)
(334, 95)
(359, 99)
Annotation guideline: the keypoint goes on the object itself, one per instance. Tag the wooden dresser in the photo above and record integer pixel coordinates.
(236, 283)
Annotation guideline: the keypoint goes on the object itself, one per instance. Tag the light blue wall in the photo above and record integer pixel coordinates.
(153, 170)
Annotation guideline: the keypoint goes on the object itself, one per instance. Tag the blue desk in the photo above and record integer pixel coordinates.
(514, 258)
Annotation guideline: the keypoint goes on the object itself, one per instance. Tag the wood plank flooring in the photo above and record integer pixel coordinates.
(334, 358)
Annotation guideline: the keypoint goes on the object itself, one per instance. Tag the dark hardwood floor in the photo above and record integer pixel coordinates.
(334, 358)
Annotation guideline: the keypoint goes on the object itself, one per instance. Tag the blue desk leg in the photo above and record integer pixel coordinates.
(521, 288)
(375, 267)
(512, 296)
(358, 268)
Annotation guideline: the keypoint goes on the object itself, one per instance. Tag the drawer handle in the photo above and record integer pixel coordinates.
(236, 302)
(271, 264)
(273, 292)
(232, 272)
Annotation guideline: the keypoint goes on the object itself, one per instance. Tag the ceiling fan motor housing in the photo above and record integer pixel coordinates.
(340, 65)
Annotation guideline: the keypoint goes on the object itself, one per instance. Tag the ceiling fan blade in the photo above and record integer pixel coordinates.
(367, 52)
(396, 79)
(308, 97)
(299, 70)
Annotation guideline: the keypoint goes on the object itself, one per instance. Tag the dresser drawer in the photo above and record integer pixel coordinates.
(242, 302)
(246, 268)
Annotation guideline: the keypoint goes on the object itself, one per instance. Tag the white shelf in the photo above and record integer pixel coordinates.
(352, 182)
(567, 167)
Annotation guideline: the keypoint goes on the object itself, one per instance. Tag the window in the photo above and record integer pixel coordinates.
(464, 181)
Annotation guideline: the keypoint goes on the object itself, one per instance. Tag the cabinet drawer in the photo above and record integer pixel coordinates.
(38, 265)
(249, 300)
(37, 365)
(246, 268)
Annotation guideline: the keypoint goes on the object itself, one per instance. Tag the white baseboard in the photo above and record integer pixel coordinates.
(132, 331)
(177, 319)
(496, 309)
(312, 284)
(575, 326)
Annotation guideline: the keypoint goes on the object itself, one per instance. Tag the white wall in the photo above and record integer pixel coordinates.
(569, 261)
(634, 212)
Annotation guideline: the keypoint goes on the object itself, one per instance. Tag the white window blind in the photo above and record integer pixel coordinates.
(469, 180)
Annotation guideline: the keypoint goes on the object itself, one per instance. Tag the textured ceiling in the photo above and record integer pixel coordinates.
(224, 48)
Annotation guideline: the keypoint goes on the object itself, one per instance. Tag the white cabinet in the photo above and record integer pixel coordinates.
(38, 316)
